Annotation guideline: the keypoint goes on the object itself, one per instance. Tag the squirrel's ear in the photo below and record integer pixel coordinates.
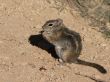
(60, 21)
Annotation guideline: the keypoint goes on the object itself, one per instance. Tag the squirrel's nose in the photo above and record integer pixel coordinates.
(43, 26)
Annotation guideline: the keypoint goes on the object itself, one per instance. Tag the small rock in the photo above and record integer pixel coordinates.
(42, 68)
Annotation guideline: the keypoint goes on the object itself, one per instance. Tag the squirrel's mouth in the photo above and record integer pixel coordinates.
(45, 33)
(41, 32)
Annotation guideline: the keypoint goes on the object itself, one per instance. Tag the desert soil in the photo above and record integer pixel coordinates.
(20, 61)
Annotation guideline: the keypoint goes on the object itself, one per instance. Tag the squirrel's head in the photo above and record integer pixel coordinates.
(52, 29)
(53, 25)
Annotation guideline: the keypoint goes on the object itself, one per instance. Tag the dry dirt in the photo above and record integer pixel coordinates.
(20, 61)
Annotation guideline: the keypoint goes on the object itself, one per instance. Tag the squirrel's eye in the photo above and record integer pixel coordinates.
(50, 24)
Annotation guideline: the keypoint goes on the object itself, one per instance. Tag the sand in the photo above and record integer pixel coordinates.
(26, 57)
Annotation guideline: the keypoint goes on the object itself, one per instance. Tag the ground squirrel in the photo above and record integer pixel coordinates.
(67, 43)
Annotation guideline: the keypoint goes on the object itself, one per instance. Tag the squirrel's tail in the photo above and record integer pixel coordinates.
(94, 65)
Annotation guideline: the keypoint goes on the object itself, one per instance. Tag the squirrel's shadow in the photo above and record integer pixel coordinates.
(39, 41)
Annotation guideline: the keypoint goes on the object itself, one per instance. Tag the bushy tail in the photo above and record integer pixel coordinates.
(94, 65)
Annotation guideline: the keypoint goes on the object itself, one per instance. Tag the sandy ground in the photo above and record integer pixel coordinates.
(23, 59)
